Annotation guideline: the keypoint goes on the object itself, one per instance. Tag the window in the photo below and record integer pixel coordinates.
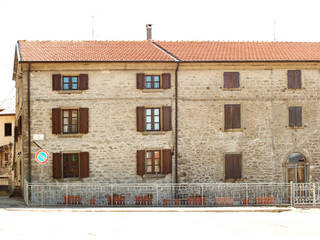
(295, 116)
(70, 83)
(70, 121)
(7, 129)
(6, 159)
(152, 81)
(233, 166)
(152, 119)
(231, 80)
(152, 162)
(232, 116)
(294, 79)
(296, 168)
(70, 165)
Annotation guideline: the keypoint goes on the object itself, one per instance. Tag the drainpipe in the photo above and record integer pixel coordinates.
(176, 124)
(29, 130)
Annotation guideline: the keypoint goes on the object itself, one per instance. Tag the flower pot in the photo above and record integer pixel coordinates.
(197, 201)
(166, 202)
(245, 201)
(264, 200)
(177, 202)
(116, 200)
(224, 201)
(92, 201)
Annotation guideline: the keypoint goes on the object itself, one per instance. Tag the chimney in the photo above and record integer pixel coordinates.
(149, 31)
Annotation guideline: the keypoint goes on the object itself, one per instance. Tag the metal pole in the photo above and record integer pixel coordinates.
(67, 197)
(157, 194)
(314, 194)
(202, 202)
(292, 193)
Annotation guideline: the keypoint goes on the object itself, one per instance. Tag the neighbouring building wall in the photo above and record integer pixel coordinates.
(113, 140)
(265, 139)
(10, 118)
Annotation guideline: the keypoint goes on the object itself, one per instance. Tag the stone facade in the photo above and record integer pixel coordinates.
(265, 140)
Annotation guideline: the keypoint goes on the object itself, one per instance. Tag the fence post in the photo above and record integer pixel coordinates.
(67, 197)
(111, 194)
(291, 193)
(247, 195)
(41, 194)
(202, 200)
(157, 192)
(314, 193)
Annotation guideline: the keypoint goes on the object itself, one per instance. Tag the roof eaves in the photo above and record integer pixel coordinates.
(18, 52)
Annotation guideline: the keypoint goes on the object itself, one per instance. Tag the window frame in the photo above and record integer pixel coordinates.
(70, 83)
(152, 119)
(70, 125)
(153, 160)
(152, 81)
(5, 130)
(69, 155)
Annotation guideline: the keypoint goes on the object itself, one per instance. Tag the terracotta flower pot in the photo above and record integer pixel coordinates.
(166, 202)
(92, 201)
(177, 202)
(245, 201)
(224, 201)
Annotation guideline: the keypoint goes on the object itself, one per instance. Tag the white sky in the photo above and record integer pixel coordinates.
(173, 20)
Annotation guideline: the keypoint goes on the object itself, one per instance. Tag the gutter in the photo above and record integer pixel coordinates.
(176, 124)
(29, 130)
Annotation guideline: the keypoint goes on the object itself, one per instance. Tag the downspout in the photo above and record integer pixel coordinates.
(29, 130)
(176, 123)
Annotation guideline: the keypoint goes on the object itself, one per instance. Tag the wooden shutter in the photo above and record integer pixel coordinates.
(228, 116)
(140, 162)
(84, 120)
(233, 166)
(83, 81)
(235, 80)
(166, 119)
(292, 116)
(57, 166)
(56, 120)
(140, 80)
(236, 116)
(297, 79)
(56, 82)
(227, 79)
(20, 126)
(167, 161)
(166, 80)
(291, 79)
(84, 164)
(298, 116)
(16, 134)
(141, 119)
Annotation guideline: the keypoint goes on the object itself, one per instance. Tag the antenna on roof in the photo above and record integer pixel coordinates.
(274, 29)
(92, 27)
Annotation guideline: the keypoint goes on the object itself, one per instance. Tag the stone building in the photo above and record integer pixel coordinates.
(152, 111)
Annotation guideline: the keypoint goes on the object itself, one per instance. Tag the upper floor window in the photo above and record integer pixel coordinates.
(231, 80)
(232, 116)
(70, 83)
(149, 81)
(295, 116)
(294, 79)
(7, 129)
(70, 121)
(153, 119)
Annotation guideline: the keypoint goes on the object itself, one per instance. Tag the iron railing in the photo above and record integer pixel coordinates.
(158, 195)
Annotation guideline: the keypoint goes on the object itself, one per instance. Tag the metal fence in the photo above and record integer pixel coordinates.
(158, 195)
(306, 194)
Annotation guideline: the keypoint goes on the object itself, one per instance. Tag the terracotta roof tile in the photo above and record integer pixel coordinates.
(243, 51)
(52, 51)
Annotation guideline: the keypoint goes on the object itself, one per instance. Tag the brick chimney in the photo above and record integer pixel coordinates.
(149, 31)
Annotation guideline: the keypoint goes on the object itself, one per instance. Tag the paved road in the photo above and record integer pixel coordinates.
(6, 202)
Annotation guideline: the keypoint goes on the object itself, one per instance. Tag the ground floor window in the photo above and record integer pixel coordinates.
(296, 168)
(70, 165)
(152, 162)
(233, 166)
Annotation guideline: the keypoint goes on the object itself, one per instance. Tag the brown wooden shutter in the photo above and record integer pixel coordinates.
(56, 120)
(84, 164)
(166, 119)
(228, 116)
(167, 161)
(141, 118)
(140, 162)
(297, 79)
(298, 116)
(233, 166)
(140, 80)
(236, 116)
(166, 80)
(291, 79)
(236, 81)
(56, 82)
(16, 134)
(228, 166)
(57, 166)
(237, 165)
(83, 81)
(20, 126)
(227, 79)
(84, 120)
(292, 116)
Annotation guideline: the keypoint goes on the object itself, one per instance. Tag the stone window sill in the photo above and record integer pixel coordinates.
(154, 175)
(154, 133)
(69, 91)
(293, 89)
(293, 128)
(232, 180)
(231, 89)
(234, 130)
(153, 90)
(70, 135)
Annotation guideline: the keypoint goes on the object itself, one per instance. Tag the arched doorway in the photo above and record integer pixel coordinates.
(296, 168)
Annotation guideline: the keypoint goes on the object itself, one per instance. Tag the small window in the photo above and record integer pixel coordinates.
(295, 116)
(231, 80)
(7, 129)
(70, 165)
(70, 121)
(294, 79)
(152, 82)
(70, 83)
(152, 119)
(233, 166)
(152, 162)
(232, 116)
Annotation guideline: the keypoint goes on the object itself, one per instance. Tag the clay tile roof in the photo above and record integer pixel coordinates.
(104, 51)
(243, 51)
